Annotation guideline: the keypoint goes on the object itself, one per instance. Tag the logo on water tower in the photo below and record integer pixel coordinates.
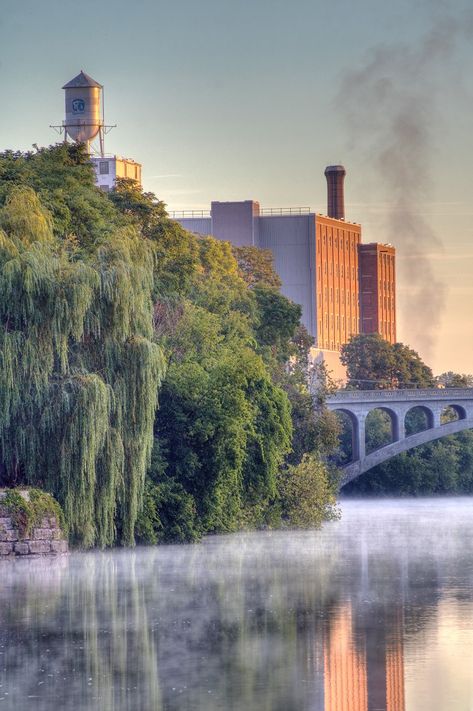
(78, 106)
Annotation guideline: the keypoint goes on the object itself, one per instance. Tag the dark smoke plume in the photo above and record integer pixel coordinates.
(390, 108)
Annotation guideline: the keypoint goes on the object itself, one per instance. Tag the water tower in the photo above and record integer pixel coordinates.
(84, 106)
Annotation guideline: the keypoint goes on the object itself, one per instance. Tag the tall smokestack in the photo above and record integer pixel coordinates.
(335, 175)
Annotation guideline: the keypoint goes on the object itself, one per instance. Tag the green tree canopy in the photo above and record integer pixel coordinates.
(256, 266)
(373, 363)
(455, 380)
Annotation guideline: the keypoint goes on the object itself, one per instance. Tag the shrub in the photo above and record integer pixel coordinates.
(307, 494)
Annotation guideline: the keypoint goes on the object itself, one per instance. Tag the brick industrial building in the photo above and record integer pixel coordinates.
(377, 284)
(344, 287)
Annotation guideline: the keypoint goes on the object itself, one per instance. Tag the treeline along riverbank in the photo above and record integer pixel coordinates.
(153, 382)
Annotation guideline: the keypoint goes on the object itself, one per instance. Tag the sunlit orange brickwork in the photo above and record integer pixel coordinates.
(377, 279)
(337, 292)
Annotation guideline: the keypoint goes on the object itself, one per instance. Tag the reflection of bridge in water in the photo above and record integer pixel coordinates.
(357, 404)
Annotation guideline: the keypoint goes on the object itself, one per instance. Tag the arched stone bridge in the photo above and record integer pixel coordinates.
(357, 404)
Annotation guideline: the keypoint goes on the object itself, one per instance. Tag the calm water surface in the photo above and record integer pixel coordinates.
(375, 612)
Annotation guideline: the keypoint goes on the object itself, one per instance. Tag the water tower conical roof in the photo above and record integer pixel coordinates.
(80, 81)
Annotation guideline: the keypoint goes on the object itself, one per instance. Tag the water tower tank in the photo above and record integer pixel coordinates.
(83, 108)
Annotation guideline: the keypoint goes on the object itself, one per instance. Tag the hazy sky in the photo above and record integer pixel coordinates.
(251, 99)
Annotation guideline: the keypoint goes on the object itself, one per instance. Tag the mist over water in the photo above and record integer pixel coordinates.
(373, 612)
(390, 110)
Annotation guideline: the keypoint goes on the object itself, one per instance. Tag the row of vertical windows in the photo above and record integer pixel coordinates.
(388, 285)
(339, 270)
(326, 294)
(388, 302)
(354, 322)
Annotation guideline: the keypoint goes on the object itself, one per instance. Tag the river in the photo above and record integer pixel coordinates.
(373, 612)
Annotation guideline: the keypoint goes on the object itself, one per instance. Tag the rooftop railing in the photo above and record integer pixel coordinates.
(265, 211)
(188, 213)
(285, 211)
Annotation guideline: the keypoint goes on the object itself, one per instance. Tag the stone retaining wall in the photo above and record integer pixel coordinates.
(45, 539)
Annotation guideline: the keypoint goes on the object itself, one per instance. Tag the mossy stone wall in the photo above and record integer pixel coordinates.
(43, 536)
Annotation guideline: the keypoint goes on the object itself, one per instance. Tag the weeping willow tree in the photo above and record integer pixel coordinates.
(79, 371)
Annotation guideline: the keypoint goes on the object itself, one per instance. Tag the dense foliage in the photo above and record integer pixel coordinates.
(307, 493)
(233, 389)
(104, 301)
(439, 467)
(80, 370)
(373, 363)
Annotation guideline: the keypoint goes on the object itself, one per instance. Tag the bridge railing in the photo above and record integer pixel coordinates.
(403, 395)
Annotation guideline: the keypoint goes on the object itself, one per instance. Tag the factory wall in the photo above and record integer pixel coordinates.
(108, 168)
(236, 222)
(377, 277)
(197, 225)
(337, 289)
(291, 239)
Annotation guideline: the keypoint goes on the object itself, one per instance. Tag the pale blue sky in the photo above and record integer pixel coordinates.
(237, 100)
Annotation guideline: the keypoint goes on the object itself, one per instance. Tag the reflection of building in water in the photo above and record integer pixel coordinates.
(364, 672)
(395, 676)
(344, 666)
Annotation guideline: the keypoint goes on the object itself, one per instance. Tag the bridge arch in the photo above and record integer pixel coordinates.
(355, 431)
(459, 411)
(355, 469)
(393, 416)
(426, 411)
